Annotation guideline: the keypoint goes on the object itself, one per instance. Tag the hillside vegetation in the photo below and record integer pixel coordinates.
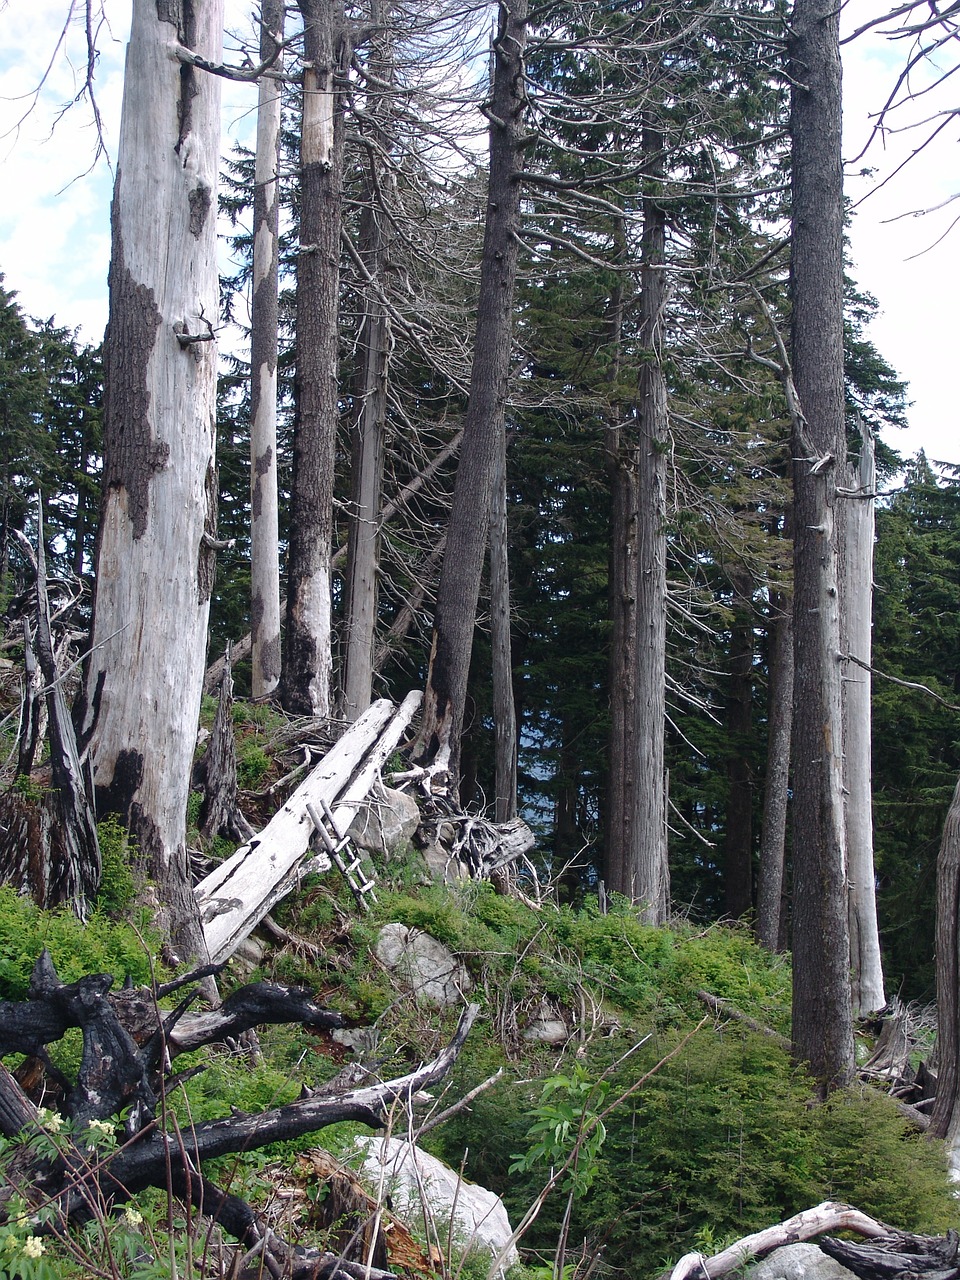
(706, 1130)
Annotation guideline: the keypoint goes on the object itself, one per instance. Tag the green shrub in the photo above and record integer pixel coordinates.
(101, 945)
(117, 885)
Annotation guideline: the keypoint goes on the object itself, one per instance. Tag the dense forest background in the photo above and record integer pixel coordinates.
(410, 205)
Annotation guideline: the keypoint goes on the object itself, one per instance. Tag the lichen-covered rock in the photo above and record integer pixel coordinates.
(402, 1169)
(385, 822)
(547, 1025)
(423, 965)
(799, 1262)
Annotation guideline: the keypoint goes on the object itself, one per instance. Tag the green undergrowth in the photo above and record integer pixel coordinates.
(708, 1131)
(721, 1136)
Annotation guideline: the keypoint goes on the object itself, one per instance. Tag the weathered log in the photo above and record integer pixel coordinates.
(803, 1226)
(897, 1255)
(236, 896)
(127, 1043)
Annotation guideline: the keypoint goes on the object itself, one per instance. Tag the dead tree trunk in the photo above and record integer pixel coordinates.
(155, 551)
(264, 327)
(641, 872)
(369, 427)
(866, 967)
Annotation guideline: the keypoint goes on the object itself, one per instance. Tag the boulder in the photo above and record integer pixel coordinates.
(547, 1025)
(424, 965)
(474, 1215)
(385, 822)
(798, 1262)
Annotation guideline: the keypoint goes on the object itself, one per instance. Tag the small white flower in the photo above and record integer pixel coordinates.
(103, 1127)
(32, 1247)
(133, 1217)
(49, 1120)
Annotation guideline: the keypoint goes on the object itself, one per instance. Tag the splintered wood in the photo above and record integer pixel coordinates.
(236, 896)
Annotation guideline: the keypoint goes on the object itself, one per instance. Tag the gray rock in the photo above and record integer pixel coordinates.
(424, 965)
(477, 1215)
(547, 1025)
(385, 822)
(799, 1262)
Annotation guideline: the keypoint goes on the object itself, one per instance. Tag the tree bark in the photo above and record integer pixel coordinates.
(369, 428)
(264, 328)
(866, 967)
(945, 1119)
(459, 589)
(155, 560)
(822, 1016)
(738, 844)
(777, 781)
(504, 710)
(642, 873)
(307, 660)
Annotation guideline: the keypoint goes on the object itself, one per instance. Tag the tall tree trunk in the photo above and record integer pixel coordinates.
(822, 1017)
(155, 560)
(307, 661)
(622, 669)
(777, 780)
(504, 710)
(738, 844)
(868, 993)
(945, 1120)
(264, 326)
(459, 589)
(641, 873)
(369, 428)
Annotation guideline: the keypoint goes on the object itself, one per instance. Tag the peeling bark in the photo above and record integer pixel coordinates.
(154, 566)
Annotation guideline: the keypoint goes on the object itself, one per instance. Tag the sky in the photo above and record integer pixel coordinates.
(54, 220)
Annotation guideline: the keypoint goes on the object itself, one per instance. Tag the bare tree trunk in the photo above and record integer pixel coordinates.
(504, 711)
(777, 781)
(822, 1017)
(868, 992)
(307, 660)
(155, 559)
(642, 874)
(264, 325)
(459, 589)
(363, 553)
(624, 519)
(738, 844)
(945, 1120)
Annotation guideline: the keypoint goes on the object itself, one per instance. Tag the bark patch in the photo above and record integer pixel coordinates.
(132, 456)
(200, 202)
(127, 776)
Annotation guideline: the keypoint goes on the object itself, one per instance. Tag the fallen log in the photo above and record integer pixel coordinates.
(236, 895)
(825, 1217)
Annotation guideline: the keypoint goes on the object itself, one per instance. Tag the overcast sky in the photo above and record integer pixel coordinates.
(54, 220)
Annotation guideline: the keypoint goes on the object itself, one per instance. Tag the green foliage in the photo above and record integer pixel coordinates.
(101, 945)
(117, 885)
(253, 764)
(567, 1129)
